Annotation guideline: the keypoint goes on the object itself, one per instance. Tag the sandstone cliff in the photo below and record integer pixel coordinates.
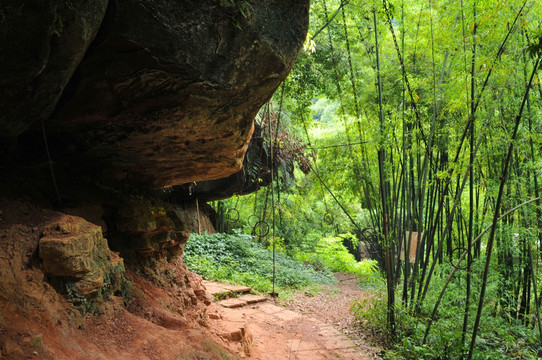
(158, 93)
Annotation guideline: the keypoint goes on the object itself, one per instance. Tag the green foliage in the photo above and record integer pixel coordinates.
(535, 47)
(330, 253)
(331, 103)
(499, 338)
(238, 259)
(370, 313)
(325, 110)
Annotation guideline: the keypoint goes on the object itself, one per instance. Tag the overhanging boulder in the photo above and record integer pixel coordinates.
(168, 91)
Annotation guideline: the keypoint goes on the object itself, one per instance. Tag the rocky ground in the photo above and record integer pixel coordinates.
(332, 306)
(155, 313)
(312, 326)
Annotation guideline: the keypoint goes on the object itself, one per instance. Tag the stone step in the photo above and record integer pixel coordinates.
(242, 301)
(233, 303)
(253, 299)
(221, 291)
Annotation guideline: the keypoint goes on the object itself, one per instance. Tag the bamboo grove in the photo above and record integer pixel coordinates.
(431, 154)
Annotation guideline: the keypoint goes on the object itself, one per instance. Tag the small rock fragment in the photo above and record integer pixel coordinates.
(215, 316)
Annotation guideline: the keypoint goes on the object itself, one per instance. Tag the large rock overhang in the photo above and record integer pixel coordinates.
(166, 93)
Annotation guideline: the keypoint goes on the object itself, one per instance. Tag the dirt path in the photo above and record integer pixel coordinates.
(310, 327)
(162, 320)
(332, 305)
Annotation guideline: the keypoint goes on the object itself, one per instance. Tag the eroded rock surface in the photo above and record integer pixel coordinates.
(168, 90)
(255, 173)
(75, 252)
(146, 230)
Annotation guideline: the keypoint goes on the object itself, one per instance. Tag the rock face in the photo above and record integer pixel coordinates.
(160, 312)
(75, 252)
(197, 216)
(42, 43)
(255, 173)
(131, 95)
(168, 90)
(145, 231)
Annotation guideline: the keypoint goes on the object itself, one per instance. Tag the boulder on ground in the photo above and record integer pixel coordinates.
(74, 252)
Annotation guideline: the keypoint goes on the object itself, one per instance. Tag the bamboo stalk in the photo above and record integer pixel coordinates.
(456, 267)
(384, 194)
(496, 215)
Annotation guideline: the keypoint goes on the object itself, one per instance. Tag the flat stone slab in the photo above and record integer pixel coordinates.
(237, 288)
(232, 303)
(214, 288)
(253, 299)
(217, 289)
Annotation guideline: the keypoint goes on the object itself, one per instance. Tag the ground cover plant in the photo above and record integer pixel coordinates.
(330, 253)
(236, 258)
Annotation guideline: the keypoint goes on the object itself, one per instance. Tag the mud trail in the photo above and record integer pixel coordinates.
(309, 327)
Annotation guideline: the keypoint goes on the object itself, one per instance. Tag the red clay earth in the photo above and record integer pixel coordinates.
(331, 305)
(38, 323)
(310, 327)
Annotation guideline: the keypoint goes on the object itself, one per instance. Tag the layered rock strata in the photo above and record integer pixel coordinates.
(75, 253)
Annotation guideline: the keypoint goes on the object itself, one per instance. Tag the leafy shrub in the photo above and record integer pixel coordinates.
(370, 313)
(331, 254)
(237, 259)
(499, 337)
